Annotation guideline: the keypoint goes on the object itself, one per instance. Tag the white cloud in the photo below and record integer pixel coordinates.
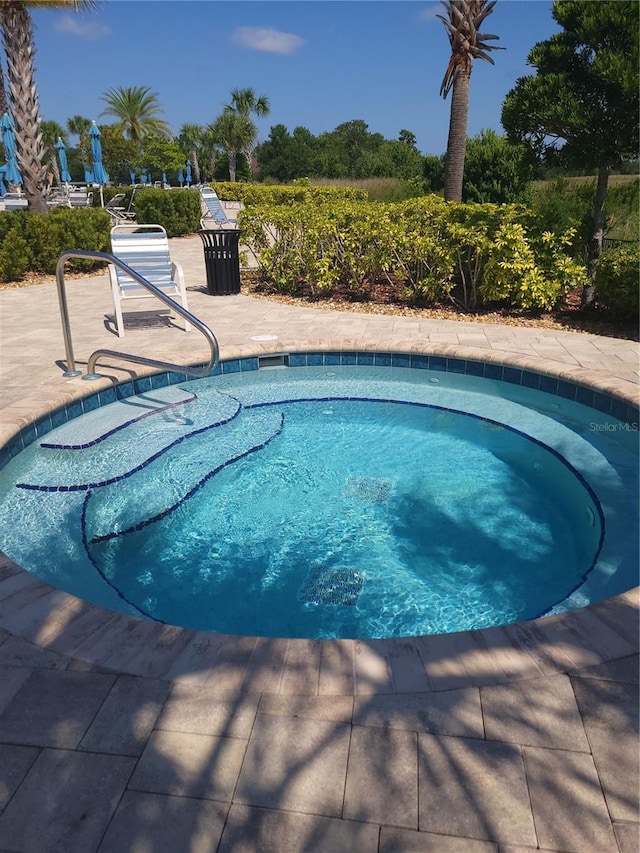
(76, 26)
(267, 40)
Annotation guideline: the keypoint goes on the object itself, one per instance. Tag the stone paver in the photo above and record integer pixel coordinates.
(18, 652)
(407, 841)
(568, 807)
(15, 762)
(382, 777)
(296, 765)
(451, 712)
(536, 712)
(474, 788)
(336, 708)
(11, 680)
(625, 670)
(127, 716)
(54, 708)
(627, 836)
(189, 765)
(65, 803)
(249, 830)
(502, 741)
(162, 824)
(202, 710)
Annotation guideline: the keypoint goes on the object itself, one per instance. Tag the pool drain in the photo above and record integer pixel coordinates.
(335, 586)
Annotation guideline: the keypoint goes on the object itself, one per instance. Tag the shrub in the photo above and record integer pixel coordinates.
(285, 193)
(617, 277)
(15, 256)
(178, 211)
(495, 170)
(561, 205)
(470, 253)
(35, 241)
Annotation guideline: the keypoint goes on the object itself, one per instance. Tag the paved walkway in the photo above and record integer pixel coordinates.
(117, 735)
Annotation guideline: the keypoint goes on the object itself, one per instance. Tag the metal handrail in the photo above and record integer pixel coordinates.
(137, 359)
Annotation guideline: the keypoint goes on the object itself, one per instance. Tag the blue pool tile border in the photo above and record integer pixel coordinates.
(599, 400)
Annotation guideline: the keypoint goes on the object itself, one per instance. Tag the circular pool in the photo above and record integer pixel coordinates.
(329, 496)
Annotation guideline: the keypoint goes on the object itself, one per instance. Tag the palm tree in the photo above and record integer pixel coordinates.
(17, 38)
(190, 139)
(51, 130)
(467, 44)
(232, 132)
(80, 126)
(136, 110)
(245, 102)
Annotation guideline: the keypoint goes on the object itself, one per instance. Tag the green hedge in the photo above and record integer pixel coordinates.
(429, 250)
(284, 194)
(617, 281)
(34, 242)
(178, 211)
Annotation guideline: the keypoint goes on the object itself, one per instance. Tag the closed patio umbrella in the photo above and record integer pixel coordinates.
(99, 174)
(3, 189)
(188, 173)
(12, 174)
(88, 175)
(180, 177)
(132, 177)
(62, 157)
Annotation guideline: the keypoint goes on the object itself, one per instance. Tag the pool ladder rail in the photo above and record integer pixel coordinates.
(137, 359)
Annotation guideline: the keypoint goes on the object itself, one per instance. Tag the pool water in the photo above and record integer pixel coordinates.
(324, 503)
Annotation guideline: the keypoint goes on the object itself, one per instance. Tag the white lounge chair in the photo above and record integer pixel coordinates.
(15, 201)
(80, 197)
(145, 248)
(116, 210)
(213, 211)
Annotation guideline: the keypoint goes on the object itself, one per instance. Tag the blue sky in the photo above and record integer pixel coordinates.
(320, 63)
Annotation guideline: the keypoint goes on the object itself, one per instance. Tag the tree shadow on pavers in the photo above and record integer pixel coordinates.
(318, 742)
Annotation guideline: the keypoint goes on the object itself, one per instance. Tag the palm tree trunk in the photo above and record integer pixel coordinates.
(52, 165)
(4, 104)
(595, 247)
(195, 164)
(18, 41)
(457, 141)
(233, 156)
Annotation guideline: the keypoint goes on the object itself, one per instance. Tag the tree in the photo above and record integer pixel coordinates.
(245, 102)
(233, 133)
(160, 154)
(190, 139)
(463, 20)
(495, 169)
(136, 110)
(19, 46)
(433, 172)
(118, 153)
(80, 126)
(583, 102)
(51, 130)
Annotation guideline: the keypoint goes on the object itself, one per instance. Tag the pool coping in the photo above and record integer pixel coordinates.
(550, 645)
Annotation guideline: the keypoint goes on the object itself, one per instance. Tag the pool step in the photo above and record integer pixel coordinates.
(99, 424)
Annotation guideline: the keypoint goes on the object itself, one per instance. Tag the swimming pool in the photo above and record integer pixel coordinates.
(216, 519)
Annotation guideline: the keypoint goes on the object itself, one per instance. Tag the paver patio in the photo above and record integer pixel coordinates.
(117, 735)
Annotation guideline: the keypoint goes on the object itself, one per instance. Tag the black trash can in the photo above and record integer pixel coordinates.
(222, 261)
